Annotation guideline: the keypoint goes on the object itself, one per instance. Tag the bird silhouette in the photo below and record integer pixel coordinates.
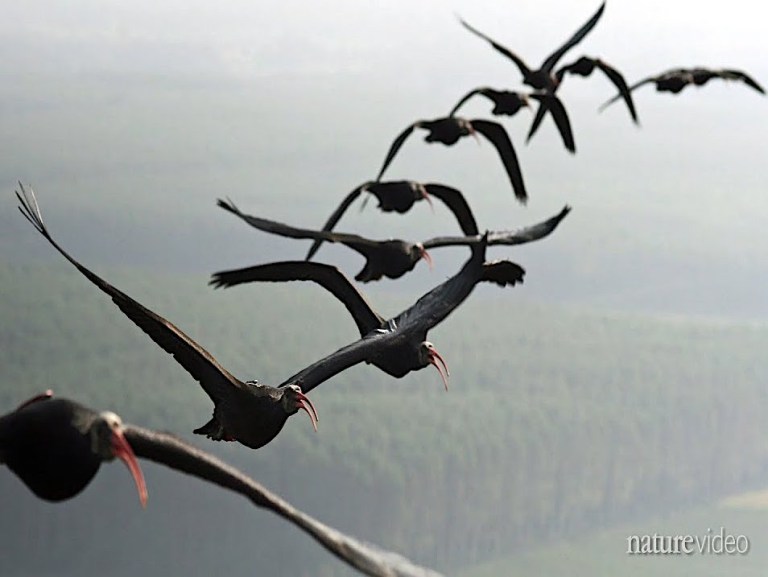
(244, 411)
(395, 257)
(396, 346)
(448, 130)
(542, 78)
(677, 79)
(56, 446)
(399, 196)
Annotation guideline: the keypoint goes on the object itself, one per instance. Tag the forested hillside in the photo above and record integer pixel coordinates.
(557, 422)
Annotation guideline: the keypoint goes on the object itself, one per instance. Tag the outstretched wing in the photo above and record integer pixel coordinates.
(504, 237)
(398, 142)
(215, 379)
(498, 136)
(551, 103)
(730, 74)
(521, 65)
(632, 88)
(354, 241)
(618, 81)
(335, 217)
(176, 454)
(466, 97)
(577, 37)
(327, 276)
(457, 204)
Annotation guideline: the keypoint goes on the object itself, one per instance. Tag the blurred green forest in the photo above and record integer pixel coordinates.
(558, 422)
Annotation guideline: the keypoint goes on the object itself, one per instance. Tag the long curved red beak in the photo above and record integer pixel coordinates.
(425, 255)
(305, 404)
(473, 132)
(434, 357)
(425, 195)
(122, 450)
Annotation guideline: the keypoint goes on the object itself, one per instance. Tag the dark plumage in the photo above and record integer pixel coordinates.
(509, 103)
(56, 446)
(248, 412)
(396, 346)
(450, 129)
(394, 257)
(678, 78)
(543, 78)
(400, 196)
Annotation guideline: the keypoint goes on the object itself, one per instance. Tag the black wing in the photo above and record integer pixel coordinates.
(398, 142)
(730, 74)
(457, 204)
(504, 237)
(437, 304)
(215, 379)
(335, 216)
(354, 241)
(466, 97)
(498, 136)
(618, 81)
(553, 58)
(551, 103)
(174, 453)
(521, 65)
(632, 88)
(327, 276)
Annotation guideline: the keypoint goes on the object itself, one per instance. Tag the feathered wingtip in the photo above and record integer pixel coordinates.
(228, 205)
(29, 208)
(503, 273)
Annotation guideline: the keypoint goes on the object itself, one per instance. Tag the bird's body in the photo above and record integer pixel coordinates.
(396, 346)
(247, 412)
(448, 130)
(395, 257)
(400, 196)
(56, 446)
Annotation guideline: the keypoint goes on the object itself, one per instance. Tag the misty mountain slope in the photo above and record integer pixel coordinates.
(557, 421)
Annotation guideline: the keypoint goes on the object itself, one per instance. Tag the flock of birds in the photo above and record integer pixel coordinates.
(55, 446)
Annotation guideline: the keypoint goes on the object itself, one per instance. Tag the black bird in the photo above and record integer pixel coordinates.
(399, 196)
(678, 78)
(450, 129)
(584, 66)
(55, 446)
(396, 346)
(542, 78)
(394, 257)
(248, 412)
(508, 103)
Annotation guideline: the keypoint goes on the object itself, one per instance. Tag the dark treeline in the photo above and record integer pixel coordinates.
(557, 422)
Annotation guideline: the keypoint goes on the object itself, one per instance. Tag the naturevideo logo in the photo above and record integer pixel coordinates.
(711, 543)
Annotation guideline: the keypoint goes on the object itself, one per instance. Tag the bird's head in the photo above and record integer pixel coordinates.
(294, 399)
(108, 442)
(428, 355)
(418, 251)
(420, 191)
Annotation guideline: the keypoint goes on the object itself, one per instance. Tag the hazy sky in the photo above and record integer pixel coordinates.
(285, 106)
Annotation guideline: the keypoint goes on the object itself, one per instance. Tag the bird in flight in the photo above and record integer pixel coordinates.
(56, 446)
(677, 79)
(395, 257)
(448, 130)
(244, 411)
(400, 196)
